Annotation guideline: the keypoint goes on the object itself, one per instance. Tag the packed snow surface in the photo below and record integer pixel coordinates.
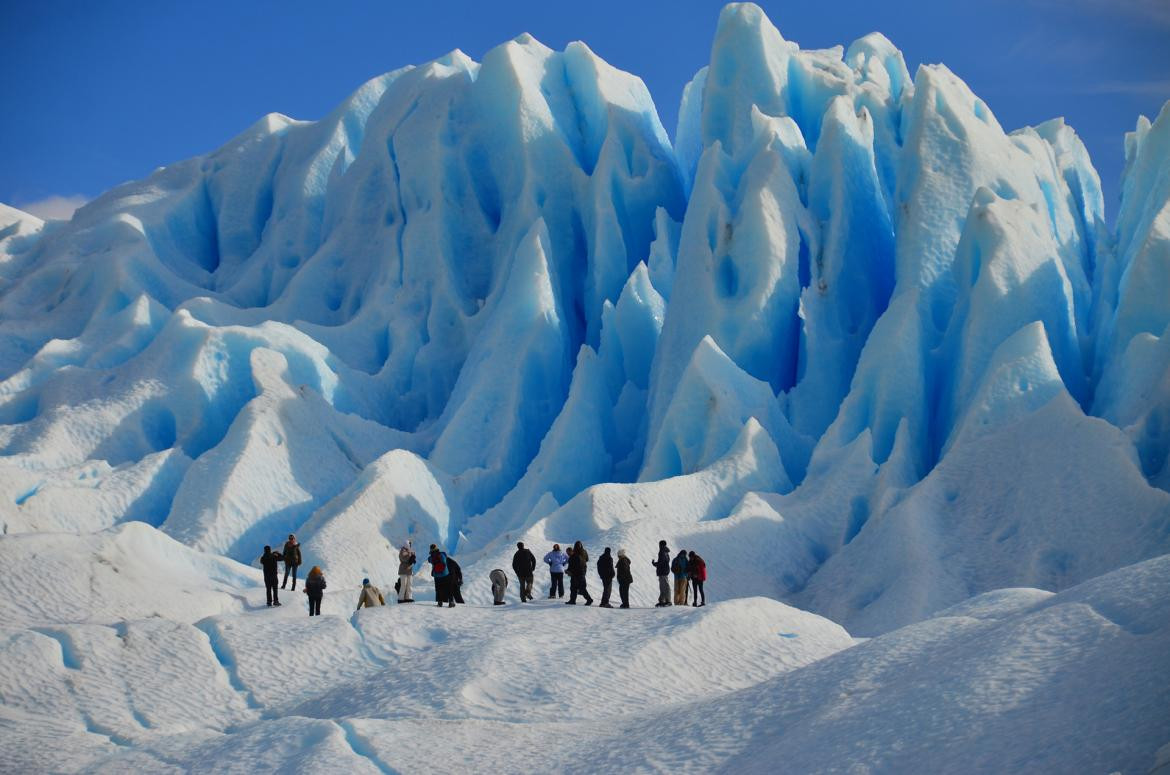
(883, 364)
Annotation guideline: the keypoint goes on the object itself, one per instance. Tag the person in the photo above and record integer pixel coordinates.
(269, 561)
(662, 568)
(315, 589)
(499, 584)
(442, 576)
(406, 560)
(698, 573)
(624, 578)
(578, 568)
(682, 580)
(605, 573)
(370, 596)
(556, 561)
(292, 560)
(456, 580)
(524, 566)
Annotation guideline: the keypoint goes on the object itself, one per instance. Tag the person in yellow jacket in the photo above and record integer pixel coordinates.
(370, 596)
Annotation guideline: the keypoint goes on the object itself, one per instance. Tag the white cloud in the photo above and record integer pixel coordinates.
(54, 207)
(1139, 88)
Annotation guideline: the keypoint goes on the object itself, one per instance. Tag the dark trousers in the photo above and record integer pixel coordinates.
(442, 589)
(315, 602)
(525, 588)
(577, 587)
(288, 568)
(271, 590)
(698, 585)
(606, 585)
(457, 591)
(624, 593)
(558, 585)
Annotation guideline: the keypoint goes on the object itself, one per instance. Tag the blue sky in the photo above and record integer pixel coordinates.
(101, 92)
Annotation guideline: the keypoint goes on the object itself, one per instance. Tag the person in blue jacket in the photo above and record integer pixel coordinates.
(556, 561)
(441, 573)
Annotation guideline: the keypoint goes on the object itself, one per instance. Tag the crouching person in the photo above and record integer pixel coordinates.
(499, 584)
(370, 596)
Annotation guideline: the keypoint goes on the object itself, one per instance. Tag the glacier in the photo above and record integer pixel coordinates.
(885, 365)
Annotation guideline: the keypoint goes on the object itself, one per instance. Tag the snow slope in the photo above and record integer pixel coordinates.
(864, 350)
(1018, 679)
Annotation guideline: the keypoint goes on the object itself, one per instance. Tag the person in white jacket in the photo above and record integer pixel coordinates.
(406, 560)
(556, 561)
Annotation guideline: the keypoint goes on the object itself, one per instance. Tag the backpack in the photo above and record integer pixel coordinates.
(675, 567)
(441, 565)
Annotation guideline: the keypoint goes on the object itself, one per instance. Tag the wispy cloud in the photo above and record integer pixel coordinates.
(54, 207)
(1156, 12)
(1137, 88)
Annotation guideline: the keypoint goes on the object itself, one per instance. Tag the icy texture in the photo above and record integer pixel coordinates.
(859, 347)
(847, 321)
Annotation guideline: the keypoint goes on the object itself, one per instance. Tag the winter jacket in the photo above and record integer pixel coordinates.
(270, 562)
(499, 579)
(557, 560)
(578, 564)
(698, 569)
(406, 561)
(679, 567)
(456, 571)
(292, 553)
(315, 583)
(524, 562)
(605, 565)
(438, 559)
(370, 596)
(623, 571)
(662, 564)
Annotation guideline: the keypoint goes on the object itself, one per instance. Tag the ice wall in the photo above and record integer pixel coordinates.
(475, 291)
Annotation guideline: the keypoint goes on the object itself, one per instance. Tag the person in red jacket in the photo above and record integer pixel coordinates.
(697, 570)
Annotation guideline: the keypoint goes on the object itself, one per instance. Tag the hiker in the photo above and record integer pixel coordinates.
(605, 573)
(682, 580)
(556, 561)
(624, 578)
(698, 573)
(269, 561)
(370, 596)
(662, 568)
(456, 580)
(524, 566)
(315, 589)
(406, 560)
(292, 560)
(442, 576)
(499, 584)
(578, 567)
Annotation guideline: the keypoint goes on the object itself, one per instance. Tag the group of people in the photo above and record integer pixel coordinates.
(688, 569)
(291, 557)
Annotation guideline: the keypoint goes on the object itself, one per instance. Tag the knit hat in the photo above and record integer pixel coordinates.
(365, 582)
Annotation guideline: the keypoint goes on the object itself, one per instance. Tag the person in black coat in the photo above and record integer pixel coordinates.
(605, 573)
(315, 590)
(624, 578)
(578, 567)
(524, 566)
(456, 580)
(662, 568)
(270, 562)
